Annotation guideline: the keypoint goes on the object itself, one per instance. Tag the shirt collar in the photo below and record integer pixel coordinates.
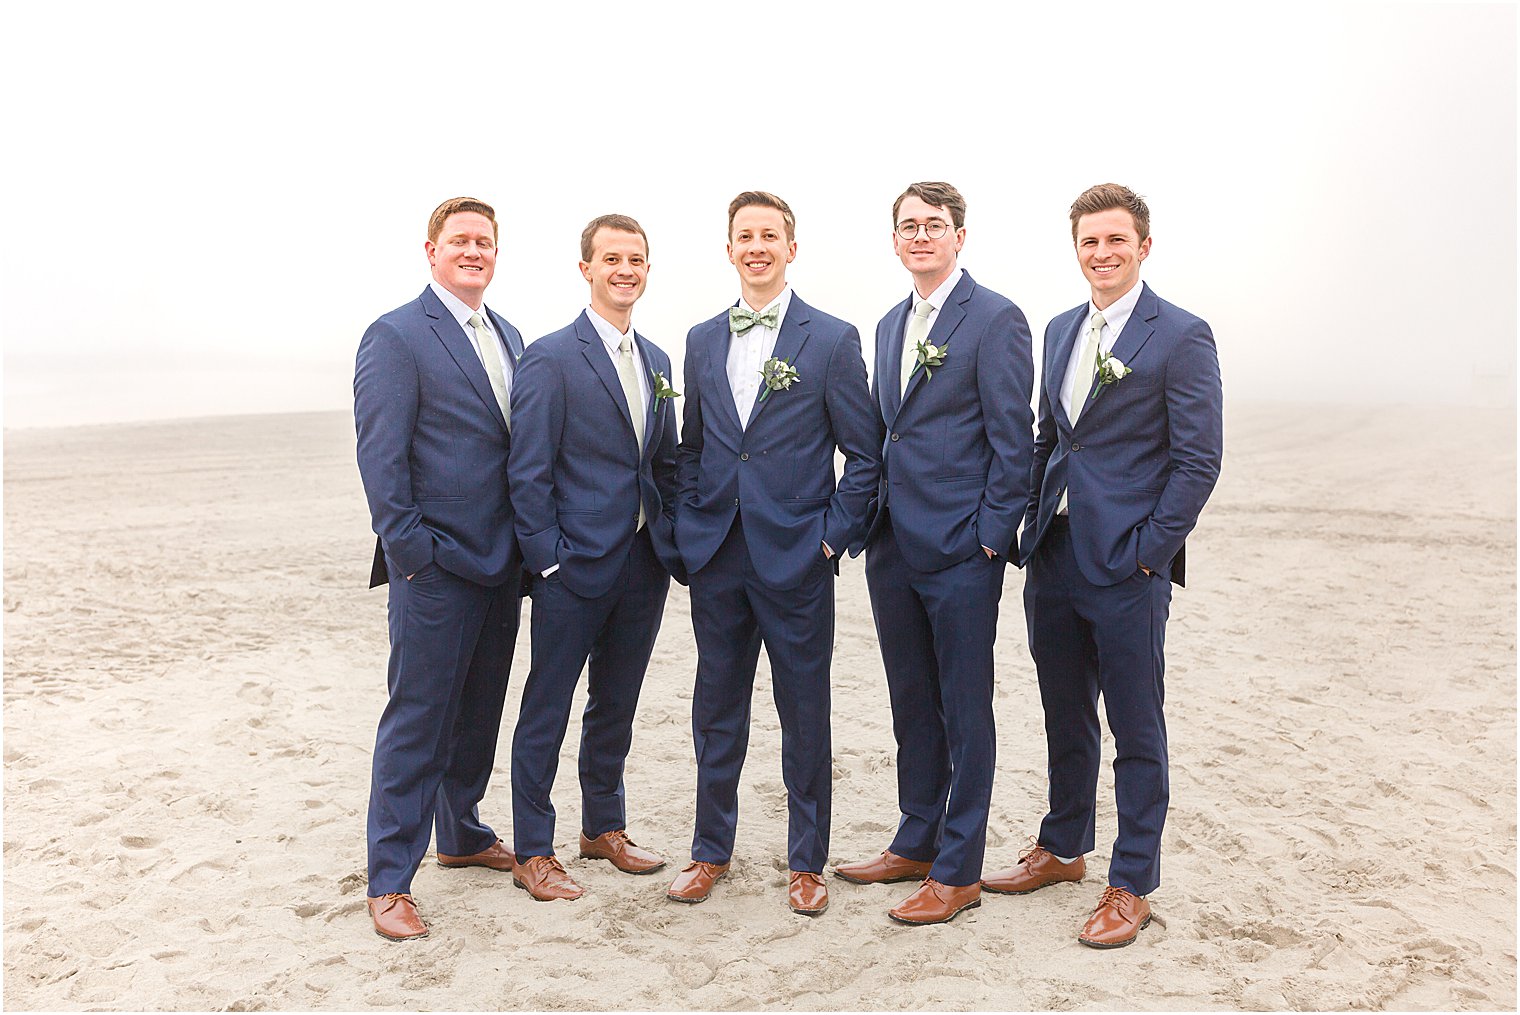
(783, 300)
(940, 296)
(1118, 311)
(607, 331)
(459, 308)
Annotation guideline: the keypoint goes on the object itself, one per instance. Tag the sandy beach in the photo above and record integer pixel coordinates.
(194, 669)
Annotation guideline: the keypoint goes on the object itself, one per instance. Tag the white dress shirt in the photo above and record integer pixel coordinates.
(748, 352)
(613, 340)
(938, 298)
(1114, 319)
(462, 313)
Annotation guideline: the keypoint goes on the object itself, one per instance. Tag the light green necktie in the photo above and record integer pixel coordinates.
(1087, 365)
(918, 331)
(629, 375)
(490, 355)
(741, 319)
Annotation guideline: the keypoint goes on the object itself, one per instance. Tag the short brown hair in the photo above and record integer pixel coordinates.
(453, 206)
(940, 195)
(621, 223)
(1105, 196)
(764, 200)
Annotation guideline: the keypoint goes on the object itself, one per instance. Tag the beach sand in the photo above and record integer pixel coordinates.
(194, 669)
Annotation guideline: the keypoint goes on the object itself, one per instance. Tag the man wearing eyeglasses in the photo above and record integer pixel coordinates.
(953, 378)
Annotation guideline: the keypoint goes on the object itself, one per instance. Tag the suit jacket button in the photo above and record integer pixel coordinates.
(1076, 447)
(744, 456)
(894, 437)
(736, 502)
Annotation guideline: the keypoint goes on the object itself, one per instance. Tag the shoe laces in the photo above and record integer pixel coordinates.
(1115, 896)
(711, 868)
(617, 837)
(1032, 854)
(546, 864)
(389, 900)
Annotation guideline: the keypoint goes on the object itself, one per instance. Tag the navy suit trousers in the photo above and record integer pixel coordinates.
(616, 631)
(451, 652)
(936, 630)
(1089, 639)
(732, 613)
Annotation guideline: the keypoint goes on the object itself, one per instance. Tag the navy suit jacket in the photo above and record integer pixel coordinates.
(955, 462)
(1144, 455)
(577, 474)
(433, 446)
(777, 472)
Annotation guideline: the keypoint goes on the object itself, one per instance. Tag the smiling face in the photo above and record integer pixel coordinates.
(1109, 250)
(930, 261)
(464, 256)
(759, 249)
(617, 271)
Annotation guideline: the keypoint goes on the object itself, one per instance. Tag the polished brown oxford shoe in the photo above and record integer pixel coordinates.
(1037, 868)
(933, 902)
(544, 878)
(624, 854)
(496, 856)
(806, 893)
(395, 917)
(886, 869)
(1120, 917)
(695, 881)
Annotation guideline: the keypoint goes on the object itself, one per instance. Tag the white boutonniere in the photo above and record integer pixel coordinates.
(778, 374)
(931, 356)
(1111, 370)
(662, 388)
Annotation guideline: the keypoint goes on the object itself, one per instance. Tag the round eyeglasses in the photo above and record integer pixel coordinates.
(934, 229)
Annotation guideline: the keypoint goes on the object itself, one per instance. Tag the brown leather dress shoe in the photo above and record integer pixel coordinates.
(395, 916)
(1036, 869)
(807, 894)
(1118, 920)
(544, 878)
(936, 903)
(886, 869)
(695, 881)
(496, 856)
(625, 854)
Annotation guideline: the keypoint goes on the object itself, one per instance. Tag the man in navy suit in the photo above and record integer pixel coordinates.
(593, 481)
(953, 378)
(1129, 446)
(773, 387)
(432, 388)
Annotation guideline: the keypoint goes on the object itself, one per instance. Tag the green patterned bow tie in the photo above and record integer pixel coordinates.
(741, 319)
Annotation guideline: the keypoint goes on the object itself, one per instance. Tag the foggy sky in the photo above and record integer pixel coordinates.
(205, 211)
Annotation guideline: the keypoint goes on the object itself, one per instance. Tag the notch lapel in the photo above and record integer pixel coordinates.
(889, 363)
(789, 343)
(1060, 362)
(716, 336)
(651, 416)
(595, 352)
(462, 350)
(1137, 330)
(949, 318)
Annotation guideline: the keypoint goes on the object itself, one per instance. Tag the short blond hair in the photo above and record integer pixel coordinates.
(455, 205)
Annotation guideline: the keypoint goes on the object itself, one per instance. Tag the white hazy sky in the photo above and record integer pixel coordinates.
(206, 204)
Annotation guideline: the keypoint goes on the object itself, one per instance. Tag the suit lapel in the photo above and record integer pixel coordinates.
(720, 398)
(462, 350)
(510, 335)
(1137, 330)
(595, 351)
(651, 415)
(1060, 362)
(789, 343)
(889, 362)
(949, 318)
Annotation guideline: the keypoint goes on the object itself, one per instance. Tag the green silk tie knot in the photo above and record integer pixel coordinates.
(741, 319)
